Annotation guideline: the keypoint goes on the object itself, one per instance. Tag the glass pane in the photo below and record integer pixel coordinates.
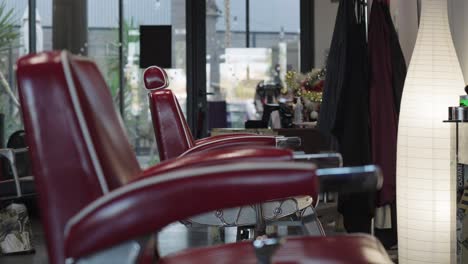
(234, 71)
(103, 41)
(103, 47)
(43, 25)
(11, 48)
(137, 115)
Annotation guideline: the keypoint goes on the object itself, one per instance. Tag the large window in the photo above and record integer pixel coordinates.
(239, 54)
(235, 65)
(43, 25)
(137, 115)
(103, 47)
(14, 21)
(103, 41)
(13, 17)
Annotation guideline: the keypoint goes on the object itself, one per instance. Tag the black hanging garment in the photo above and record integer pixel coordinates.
(336, 73)
(344, 112)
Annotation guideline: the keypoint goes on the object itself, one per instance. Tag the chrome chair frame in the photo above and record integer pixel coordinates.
(10, 155)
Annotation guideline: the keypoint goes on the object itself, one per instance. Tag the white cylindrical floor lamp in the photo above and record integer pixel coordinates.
(425, 179)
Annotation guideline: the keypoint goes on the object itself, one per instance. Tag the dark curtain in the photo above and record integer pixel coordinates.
(344, 112)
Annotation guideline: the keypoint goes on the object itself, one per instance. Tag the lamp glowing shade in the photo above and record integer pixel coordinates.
(425, 179)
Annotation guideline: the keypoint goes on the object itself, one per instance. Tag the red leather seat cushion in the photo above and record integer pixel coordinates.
(216, 156)
(340, 249)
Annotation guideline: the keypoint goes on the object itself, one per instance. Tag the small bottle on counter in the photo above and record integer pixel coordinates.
(298, 116)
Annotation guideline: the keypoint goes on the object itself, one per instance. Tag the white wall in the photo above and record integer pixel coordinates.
(458, 10)
(405, 19)
(404, 14)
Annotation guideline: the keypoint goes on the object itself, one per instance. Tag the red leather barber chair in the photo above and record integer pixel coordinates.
(98, 206)
(173, 135)
(174, 139)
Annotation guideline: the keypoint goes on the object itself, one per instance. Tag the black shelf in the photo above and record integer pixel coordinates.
(455, 121)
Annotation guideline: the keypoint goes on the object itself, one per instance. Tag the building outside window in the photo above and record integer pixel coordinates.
(103, 47)
(233, 69)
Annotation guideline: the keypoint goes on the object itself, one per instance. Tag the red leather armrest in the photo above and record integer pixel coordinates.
(233, 135)
(214, 157)
(150, 204)
(248, 140)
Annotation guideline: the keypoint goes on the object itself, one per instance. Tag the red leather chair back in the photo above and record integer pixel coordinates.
(116, 156)
(173, 134)
(71, 150)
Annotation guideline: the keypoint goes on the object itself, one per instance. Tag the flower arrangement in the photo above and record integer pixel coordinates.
(308, 86)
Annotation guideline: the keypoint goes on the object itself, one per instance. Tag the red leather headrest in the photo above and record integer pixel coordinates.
(155, 78)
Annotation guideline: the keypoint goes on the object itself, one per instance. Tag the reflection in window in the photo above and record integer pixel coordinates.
(103, 47)
(234, 71)
(14, 23)
(137, 114)
(13, 19)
